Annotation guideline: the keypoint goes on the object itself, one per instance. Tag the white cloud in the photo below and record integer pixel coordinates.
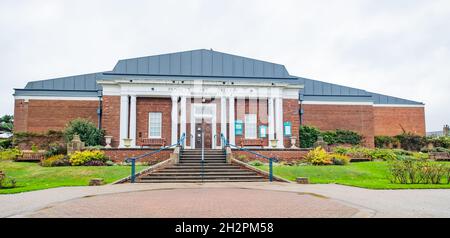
(399, 48)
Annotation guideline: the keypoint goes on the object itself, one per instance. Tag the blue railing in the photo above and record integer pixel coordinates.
(270, 159)
(180, 143)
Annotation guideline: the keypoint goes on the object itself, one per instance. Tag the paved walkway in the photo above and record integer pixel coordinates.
(225, 200)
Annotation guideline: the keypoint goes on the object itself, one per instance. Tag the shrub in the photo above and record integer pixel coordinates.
(7, 182)
(384, 141)
(55, 149)
(408, 170)
(88, 132)
(347, 137)
(10, 154)
(339, 159)
(308, 135)
(54, 161)
(318, 156)
(5, 143)
(82, 157)
(256, 163)
(410, 141)
(382, 154)
(359, 153)
(442, 141)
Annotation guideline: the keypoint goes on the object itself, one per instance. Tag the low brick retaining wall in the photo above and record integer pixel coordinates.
(283, 155)
(120, 155)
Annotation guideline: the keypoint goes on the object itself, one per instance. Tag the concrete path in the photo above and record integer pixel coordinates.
(225, 200)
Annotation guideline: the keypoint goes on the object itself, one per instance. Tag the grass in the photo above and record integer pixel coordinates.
(31, 176)
(372, 175)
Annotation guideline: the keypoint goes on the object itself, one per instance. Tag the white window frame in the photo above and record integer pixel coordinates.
(247, 122)
(160, 125)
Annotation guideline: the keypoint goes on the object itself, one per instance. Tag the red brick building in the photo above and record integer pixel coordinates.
(157, 99)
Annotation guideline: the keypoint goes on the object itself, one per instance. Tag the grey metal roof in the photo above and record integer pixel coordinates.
(78, 82)
(201, 63)
(213, 65)
(315, 90)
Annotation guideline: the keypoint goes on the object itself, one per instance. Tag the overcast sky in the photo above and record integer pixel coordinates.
(393, 47)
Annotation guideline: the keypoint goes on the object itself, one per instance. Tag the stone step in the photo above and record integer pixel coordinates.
(206, 170)
(206, 156)
(201, 181)
(199, 173)
(205, 167)
(206, 176)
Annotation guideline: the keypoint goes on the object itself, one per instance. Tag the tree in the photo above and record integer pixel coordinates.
(6, 123)
(88, 132)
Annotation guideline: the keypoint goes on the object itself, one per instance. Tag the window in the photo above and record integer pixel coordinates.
(250, 126)
(154, 124)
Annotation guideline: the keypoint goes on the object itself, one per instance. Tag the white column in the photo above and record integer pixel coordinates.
(174, 119)
(279, 122)
(192, 137)
(270, 118)
(123, 119)
(183, 117)
(133, 121)
(231, 121)
(223, 117)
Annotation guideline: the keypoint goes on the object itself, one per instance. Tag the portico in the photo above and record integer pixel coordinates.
(196, 106)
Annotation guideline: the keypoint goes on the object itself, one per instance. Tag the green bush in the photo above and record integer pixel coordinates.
(347, 137)
(7, 182)
(384, 141)
(10, 154)
(5, 143)
(318, 156)
(88, 132)
(308, 135)
(55, 160)
(339, 159)
(83, 157)
(55, 149)
(442, 141)
(408, 170)
(382, 154)
(256, 163)
(410, 141)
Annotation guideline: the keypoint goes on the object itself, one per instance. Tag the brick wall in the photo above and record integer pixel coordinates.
(44, 115)
(119, 155)
(111, 118)
(358, 118)
(389, 121)
(146, 105)
(286, 155)
(291, 114)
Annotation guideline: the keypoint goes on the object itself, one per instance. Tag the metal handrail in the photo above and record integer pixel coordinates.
(180, 143)
(271, 159)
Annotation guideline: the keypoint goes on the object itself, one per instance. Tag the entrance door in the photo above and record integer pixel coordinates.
(206, 128)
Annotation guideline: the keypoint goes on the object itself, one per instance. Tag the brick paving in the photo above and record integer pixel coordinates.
(200, 202)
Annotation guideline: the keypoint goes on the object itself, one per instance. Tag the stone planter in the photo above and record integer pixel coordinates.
(273, 143)
(108, 140)
(293, 141)
(127, 142)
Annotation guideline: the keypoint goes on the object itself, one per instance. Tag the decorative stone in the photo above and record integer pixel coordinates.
(96, 182)
(293, 141)
(127, 142)
(75, 145)
(321, 143)
(108, 140)
(302, 180)
(273, 143)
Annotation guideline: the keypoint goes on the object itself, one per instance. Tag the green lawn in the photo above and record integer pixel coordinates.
(371, 175)
(31, 176)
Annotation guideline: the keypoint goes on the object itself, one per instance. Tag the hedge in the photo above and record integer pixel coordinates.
(310, 134)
